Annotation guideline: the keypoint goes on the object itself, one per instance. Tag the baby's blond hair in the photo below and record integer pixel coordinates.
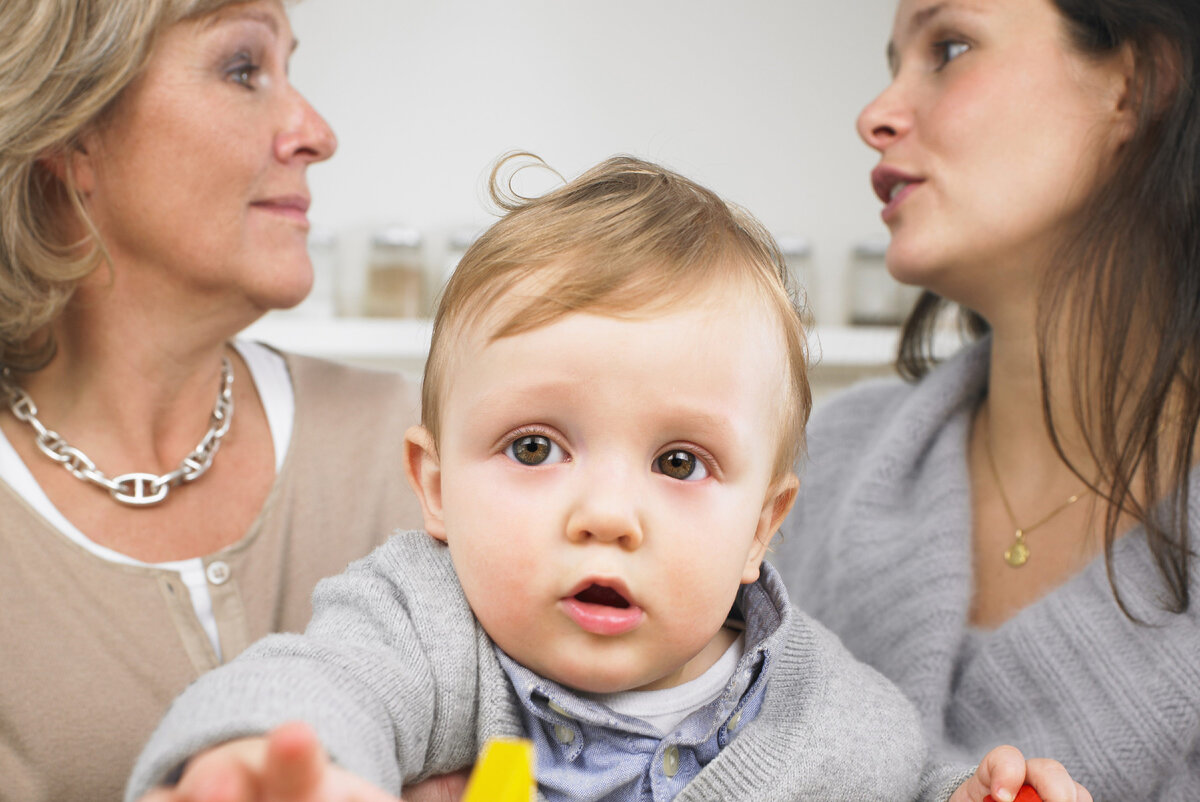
(626, 236)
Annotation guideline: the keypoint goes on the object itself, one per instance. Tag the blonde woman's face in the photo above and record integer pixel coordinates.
(197, 178)
(992, 133)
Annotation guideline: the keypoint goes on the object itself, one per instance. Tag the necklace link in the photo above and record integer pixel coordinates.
(134, 489)
(140, 489)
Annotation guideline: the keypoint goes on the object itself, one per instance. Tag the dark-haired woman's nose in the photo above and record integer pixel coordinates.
(885, 119)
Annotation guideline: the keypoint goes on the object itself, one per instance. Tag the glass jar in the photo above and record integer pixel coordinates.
(395, 274)
(877, 299)
(323, 252)
(797, 254)
(456, 245)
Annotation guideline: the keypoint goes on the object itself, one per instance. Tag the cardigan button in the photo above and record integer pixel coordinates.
(218, 572)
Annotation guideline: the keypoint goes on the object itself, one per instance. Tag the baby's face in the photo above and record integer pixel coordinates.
(606, 485)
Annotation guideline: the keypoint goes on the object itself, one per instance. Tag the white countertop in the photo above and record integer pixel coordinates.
(407, 341)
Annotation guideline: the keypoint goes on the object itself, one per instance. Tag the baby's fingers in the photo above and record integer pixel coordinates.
(1053, 783)
(217, 776)
(295, 762)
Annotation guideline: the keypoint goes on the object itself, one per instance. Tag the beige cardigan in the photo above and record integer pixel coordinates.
(92, 652)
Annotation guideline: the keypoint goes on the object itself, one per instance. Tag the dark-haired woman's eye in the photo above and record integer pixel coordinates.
(680, 464)
(946, 50)
(534, 449)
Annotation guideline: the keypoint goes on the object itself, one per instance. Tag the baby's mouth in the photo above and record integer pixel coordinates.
(602, 610)
(601, 595)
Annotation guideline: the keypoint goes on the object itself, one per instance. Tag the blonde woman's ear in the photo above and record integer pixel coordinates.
(71, 165)
(424, 472)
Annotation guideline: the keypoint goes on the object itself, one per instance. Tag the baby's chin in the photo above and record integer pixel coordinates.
(595, 674)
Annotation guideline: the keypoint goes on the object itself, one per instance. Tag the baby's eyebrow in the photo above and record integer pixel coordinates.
(703, 421)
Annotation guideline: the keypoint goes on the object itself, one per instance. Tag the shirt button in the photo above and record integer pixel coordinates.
(734, 721)
(671, 761)
(557, 708)
(565, 735)
(218, 572)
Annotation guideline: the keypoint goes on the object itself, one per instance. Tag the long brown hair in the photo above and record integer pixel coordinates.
(1132, 264)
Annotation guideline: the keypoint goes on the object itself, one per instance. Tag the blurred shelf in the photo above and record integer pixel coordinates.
(353, 339)
(405, 342)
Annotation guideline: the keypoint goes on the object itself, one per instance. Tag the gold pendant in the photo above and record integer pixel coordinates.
(1018, 553)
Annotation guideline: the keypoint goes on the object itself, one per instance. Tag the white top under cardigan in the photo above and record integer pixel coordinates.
(274, 386)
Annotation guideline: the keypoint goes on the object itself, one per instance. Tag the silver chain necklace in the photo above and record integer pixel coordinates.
(134, 489)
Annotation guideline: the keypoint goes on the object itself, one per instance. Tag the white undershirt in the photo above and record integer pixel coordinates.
(274, 384)
(666, 708)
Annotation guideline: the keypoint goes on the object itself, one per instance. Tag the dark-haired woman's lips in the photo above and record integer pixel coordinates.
(893, 186)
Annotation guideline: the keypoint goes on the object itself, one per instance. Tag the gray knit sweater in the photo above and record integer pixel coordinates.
(400, 682)
(878, 549)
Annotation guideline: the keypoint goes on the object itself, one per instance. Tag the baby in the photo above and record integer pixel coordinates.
(615, 396)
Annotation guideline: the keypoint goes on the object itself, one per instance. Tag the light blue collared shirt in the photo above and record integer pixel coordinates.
(587, 752)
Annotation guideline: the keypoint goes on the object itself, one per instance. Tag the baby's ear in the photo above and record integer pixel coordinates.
(775, 508)
(424, 472)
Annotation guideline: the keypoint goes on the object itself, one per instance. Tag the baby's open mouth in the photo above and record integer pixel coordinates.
(598, 594)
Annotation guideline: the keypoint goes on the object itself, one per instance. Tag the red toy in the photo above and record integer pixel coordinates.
(1026, 794)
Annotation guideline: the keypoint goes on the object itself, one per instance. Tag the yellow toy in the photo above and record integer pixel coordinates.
(503, 773)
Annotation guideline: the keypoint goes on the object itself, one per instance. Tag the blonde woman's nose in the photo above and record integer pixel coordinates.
(306, 135)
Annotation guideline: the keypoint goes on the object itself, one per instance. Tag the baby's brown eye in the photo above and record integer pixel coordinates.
(681, 465)
(531, 449)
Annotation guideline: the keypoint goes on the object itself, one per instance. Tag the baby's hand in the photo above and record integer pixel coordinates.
(1004, 770)
(288, 765)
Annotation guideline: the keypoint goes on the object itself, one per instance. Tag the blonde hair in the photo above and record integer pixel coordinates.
(625, 236)
(62, 65)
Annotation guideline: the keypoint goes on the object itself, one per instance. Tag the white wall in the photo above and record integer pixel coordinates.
(756, 99)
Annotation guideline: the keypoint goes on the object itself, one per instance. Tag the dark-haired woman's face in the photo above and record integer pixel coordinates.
(991, 134)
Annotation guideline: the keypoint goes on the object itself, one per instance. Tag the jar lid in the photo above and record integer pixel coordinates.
(322, 236)
(398, 236)
(872, 247)
(461, 238)
(791, 245)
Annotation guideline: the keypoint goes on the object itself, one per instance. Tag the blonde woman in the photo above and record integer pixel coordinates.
(168, 494)
(1010, 536)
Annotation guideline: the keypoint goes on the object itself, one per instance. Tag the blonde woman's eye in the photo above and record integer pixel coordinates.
(682, 465)
(243, 74)
(534, 449)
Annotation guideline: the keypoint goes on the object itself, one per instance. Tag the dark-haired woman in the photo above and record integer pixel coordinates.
(1009, 535)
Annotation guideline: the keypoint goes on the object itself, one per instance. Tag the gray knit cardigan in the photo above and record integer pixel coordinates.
(400, 682)
(878, 549)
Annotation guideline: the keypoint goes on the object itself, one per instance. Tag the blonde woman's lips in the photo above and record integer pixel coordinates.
(290, 207)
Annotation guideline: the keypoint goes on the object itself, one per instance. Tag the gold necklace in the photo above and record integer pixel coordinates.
(1017, 554)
